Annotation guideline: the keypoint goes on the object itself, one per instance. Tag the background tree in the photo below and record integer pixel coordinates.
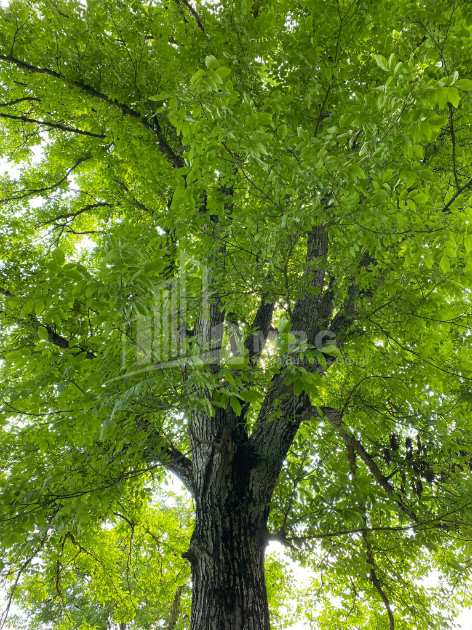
(128, 574)
(208, 196)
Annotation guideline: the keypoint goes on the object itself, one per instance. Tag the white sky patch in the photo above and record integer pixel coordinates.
(36, 202)
(86, 244)
(6, 166)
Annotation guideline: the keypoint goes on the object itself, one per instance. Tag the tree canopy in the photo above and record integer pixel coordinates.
(236, 246)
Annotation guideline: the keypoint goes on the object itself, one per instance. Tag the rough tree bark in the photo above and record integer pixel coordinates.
(227, 547)
(227, 558)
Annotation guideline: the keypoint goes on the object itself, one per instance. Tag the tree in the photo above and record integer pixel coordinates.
(237, 248)
(130, 571)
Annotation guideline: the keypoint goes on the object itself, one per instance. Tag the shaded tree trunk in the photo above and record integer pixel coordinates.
(227, 557)
(227, 547)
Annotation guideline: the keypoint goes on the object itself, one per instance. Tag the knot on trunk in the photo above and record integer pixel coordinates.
(190, 555)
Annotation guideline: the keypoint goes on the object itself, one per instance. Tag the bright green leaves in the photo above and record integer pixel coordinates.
(283, 325)
(42, 333)
(440, 93)
(27, 308)
(445, 263)
(58, 256)
(282, 127)
(39, 306)
(331, 350)
(237, 363)
(304, 381)
(210, 78)
(282, 131)
(382, 62)
(464, 84)
(356, 172)
(235, 405)
(452, 96)
(468, 243)
(91, 566)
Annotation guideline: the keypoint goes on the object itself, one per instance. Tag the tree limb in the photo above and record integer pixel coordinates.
(167, 455)
(335, 419)
(53, 336)
(259, 330)
(193, 12)
(72, 215)
(45, 123)
(376, 581)
(306, 312)
(37, 191)
(164, 147)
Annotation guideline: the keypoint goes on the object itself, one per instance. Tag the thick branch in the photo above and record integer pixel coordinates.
(138, 204)
(345, 316)
(73, 215)
(465, 187)
(376, 582)
(279, 419)
(167, 455)
(20, 100)
(173, 158)
(45, 123)
(174, 613)
(56, 339)
(453, 142)
(260, 328)
(335, 419)
(193, 12)
(53, 336)
(306, 312)
(172, 459)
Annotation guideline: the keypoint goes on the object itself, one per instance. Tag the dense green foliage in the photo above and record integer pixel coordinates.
(129, 571)
(158, 146)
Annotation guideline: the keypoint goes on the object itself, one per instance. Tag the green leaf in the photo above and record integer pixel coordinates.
(235, 405)
(282, 131)
(43, 445)
(453, 96)
(223, 72)
(237, 363)
(27, 308)
(120, 405)
(445, 264)
(284, 324)
(107, 427)
(382, 62)
(58, 256)
(43, 333)
(211, 62)
(39, 306)
(249, 396)
(298, 387)
(198, 76)
(464, 84)
(331, 350)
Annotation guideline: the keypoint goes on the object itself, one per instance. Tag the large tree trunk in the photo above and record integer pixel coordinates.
(227, 547)
(227, 556)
